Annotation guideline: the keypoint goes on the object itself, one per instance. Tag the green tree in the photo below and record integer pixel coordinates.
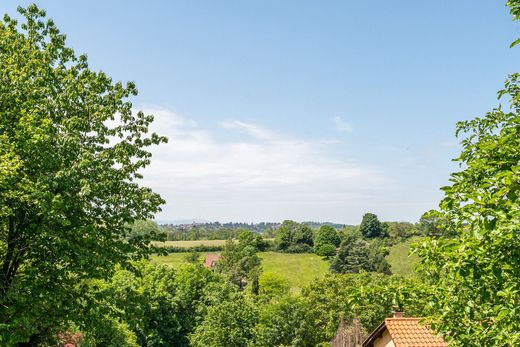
(294, 237)
(326, 235)
(284, 323)
(70, 154)
(285, 234)
(249, 238)
(273, 285)
(400, 230)
(325, 250)
(476, 272)
(377, 252)
(157, 304)
(352, 257)
(371, 227)
(229, 324)
(433, 223)
(368, 297)
(239, 260)
(304, 235)
(146, 229)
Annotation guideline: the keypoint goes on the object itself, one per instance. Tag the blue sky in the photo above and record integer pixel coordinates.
(305, 110)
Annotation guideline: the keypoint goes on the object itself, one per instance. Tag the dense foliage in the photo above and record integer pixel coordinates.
(294, 237)
(371, 227)
(357, 255)
(70, 153)
(74, 221)
(476, 272)
(239, 260)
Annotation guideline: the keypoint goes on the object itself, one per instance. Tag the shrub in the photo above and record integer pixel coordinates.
(298, 248)
(326, 250)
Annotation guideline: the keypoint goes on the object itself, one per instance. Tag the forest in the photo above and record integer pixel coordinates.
(83, 263)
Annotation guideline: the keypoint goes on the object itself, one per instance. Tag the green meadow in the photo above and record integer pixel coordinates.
(300, 269)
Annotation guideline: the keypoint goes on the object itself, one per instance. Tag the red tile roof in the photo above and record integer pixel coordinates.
(407, 332)
(210, 260)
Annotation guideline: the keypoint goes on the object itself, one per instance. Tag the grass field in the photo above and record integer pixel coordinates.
(299, 269)
(402, 263)
(187, 244)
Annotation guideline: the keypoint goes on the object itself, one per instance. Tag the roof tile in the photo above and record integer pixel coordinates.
(409, 332)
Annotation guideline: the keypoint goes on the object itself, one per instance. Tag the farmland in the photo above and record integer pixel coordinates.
(188, 244)
(299, 269)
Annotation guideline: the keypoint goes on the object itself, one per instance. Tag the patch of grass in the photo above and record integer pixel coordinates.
(402, 263)
(173, 259)
(299, 269)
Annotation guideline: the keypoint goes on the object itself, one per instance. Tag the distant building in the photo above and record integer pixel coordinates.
(210, 260)
(403, 332)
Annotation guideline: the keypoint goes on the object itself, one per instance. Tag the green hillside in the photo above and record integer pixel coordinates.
(402, 263)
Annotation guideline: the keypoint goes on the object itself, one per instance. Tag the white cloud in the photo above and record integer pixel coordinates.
(264, 176)
(341, 125)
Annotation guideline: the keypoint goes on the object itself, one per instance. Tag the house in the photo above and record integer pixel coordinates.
(210, 260)
(403, 332)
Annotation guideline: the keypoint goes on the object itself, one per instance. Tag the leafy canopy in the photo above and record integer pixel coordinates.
(371, 226)
(477, 271)
(71, 149)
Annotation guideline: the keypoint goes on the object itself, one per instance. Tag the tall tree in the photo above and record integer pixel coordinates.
(232, 323)
(371, 226)
(352, 257)
(295, 237)
(476, 272)
(326, 235)
(285, 234)
(70, 154)
(239, 260)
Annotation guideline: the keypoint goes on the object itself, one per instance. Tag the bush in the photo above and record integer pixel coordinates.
(298, 248)
(326, 250)
(201, 248)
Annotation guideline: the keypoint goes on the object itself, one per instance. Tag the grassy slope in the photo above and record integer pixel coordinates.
(299, 269)
(402, 263)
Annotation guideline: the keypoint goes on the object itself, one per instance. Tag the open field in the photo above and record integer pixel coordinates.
(187, 244)
(173, 259)
(299, 269)
(401, 262)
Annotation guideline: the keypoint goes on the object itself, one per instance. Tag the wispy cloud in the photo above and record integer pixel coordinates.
(264, 176)
(342, 125)
(251, 129)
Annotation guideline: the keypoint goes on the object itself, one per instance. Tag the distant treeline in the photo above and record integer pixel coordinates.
(224, 231)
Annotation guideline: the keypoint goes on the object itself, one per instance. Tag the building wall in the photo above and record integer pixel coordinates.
(384, 341)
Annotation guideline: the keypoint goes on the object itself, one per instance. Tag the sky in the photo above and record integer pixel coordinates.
(303, 110)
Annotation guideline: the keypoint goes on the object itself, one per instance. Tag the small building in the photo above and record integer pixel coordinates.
(404, 332)
(211, 260)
